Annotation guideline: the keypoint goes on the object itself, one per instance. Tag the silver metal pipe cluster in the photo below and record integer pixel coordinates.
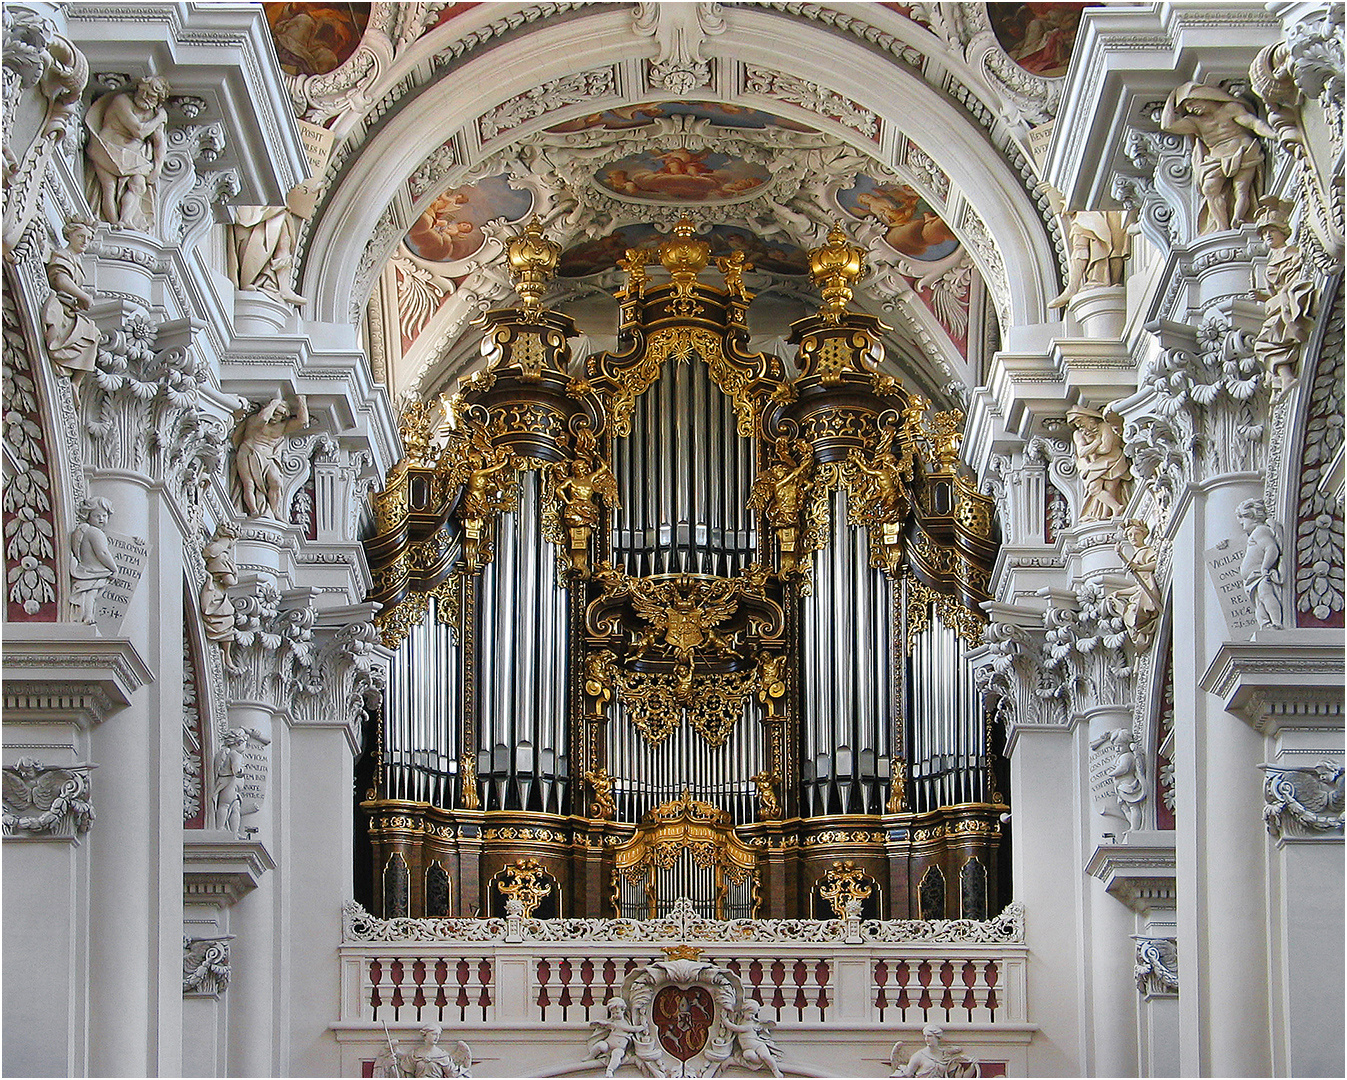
(848, 684)
(684, 476)
(423, 717)
(947, 752)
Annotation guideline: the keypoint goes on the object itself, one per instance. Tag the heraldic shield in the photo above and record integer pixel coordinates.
(683, 1016)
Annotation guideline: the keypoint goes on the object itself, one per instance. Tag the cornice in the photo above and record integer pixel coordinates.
(1141, 873)
(1282, 677)
(64, 671)
(217, 867)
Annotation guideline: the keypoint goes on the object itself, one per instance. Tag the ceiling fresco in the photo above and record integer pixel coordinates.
(1037, 36)
(681, 175)
(450, 228)
(315, 38)
(911, 226)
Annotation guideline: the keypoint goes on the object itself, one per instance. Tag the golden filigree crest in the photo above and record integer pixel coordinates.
(845, 887)
(523, 886)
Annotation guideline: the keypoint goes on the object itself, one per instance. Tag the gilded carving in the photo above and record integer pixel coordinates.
(779, 492)
(523, 886)
(601, 784)
(767, 781)
(845, 887)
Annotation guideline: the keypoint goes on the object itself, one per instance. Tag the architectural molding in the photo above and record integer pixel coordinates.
(1157, 967)
(1281, 679)
(219, 868)
(64, 672)
(1304, 802)
(47, 802)
(1140, 873)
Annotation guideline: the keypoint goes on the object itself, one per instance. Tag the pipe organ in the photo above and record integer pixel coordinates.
(678, 622)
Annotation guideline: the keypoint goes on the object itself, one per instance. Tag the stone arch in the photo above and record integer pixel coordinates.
(368, 210)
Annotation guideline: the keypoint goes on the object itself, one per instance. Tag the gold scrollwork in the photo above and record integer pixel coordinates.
(845, 887)
(965, 622)
(523, 886)
(601, 784)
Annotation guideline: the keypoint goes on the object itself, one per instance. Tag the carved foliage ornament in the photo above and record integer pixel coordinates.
(205, 966)
(845, 887)
(1157, 967)
(523, 885)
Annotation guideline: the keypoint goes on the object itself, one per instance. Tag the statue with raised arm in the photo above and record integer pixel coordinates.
(91, 563)
(1138, 605)
(258, 440)
(126, 148)
(70, 335)
(778, 493)
(1261, 568)
(580, 489)
(1227, 156)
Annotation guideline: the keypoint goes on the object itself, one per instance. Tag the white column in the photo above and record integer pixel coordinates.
(135, 949)
(1222, 914)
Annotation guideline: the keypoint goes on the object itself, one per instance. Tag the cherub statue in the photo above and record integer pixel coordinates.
(1129, 783)
(1104, 471)
(601, 784)
(258, 440)
(1261, 568)
(612, 1037)
(71, 336)
(1227, 156)
(91, 563)
(753, 1035)
(933, 1059)
(769, 807)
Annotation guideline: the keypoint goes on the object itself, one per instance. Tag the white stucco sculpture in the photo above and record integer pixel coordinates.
(1129, 784)
(258, 440)
(1261, 568)
(754, 1046)
(612, 1036)
(70, 335)
(426, 1058)
(262, 244)
(1227, 156)
(934, 1059)
(1104, 471)
(226, 774)
(217, 609)
(91, 563)
(1099, 243)
(1289, 308)
(1139, 604)
(126, 148)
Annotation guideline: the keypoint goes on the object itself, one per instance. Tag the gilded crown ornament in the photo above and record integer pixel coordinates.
(835, 268)
(533, 261)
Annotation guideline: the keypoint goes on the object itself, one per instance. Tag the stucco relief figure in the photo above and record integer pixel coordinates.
(217, 610)
(1261, 568)
(1288, 313)
(1129, 782)
(226, 773)
(755, 1047)
(127, 143)
(427, 1058)
(262, 244)
(258, 441)
(936, 1058)
(1104, 471)
(1138, 605)
(1227, 156)
(91, 563)
(612, 1036)
(1099, 243)
(71, 336)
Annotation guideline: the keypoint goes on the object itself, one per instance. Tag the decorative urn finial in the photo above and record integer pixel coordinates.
(683, 255)
(835, 267)
(533, 260)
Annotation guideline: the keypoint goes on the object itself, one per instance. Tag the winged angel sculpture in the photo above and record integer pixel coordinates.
(38, 798)
(427, 1058)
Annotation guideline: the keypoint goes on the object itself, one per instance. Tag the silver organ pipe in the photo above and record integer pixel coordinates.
(645, 775)
(522, 633)
(422, 720)
(947, 751)
(847, 638)
(685, 474)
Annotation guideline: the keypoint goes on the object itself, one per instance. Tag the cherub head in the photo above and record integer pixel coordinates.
(95, 511)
